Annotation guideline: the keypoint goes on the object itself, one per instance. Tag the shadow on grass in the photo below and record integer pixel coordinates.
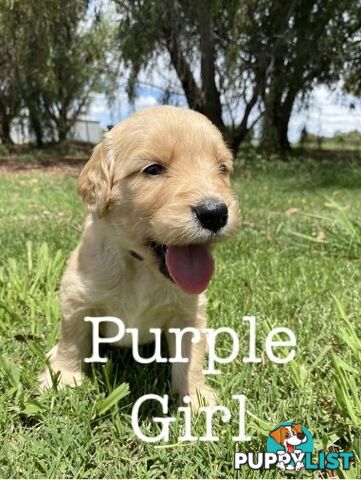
(142, 379)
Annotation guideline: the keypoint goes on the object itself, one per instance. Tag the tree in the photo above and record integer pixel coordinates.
(232, 56)
(61, 60)
(77, 62)
(10, 98)
(197, 38)
(307, 45)
(352, 70)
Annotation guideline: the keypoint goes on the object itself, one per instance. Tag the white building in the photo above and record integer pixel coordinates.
(85, 129)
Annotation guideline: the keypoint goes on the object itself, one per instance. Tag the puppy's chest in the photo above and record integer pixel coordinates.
(141, 304)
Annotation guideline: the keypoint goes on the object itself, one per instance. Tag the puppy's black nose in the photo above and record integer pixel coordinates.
(212, 214)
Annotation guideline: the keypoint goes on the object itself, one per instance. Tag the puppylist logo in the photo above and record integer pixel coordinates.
(290, 442)
(290, 447)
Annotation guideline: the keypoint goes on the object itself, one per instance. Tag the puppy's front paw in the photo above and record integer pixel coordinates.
(203, 396)
(62, 372)
(64, 378)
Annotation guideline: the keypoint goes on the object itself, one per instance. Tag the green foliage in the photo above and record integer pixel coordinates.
(76, 61)
(260, 56)
(352, 79)
(307, 45)
(196, 41)
(10, 97)
(62, 56)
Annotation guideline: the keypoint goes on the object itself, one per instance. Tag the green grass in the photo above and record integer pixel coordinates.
(295, 263)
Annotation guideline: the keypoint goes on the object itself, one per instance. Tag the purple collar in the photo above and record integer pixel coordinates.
(136, 255)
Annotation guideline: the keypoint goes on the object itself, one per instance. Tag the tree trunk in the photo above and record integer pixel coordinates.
(179, 60)
(240, 133)
(212, 106)
(269, 141)
(284, 119)
(62, 134)
(62, 126)
(282, 132)
(276, 118)
(5, 136)
(5, 124)
(269, 137)
(37, 129)
(275, 132)
(204, 99)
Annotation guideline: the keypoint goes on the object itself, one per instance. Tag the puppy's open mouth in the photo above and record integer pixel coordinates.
(290, 448)
(191, 267)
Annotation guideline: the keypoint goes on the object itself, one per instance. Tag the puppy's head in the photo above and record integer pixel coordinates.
(160, 180)
(289, 436)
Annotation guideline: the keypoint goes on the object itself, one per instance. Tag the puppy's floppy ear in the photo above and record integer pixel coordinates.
(277, 435)
(95, 181)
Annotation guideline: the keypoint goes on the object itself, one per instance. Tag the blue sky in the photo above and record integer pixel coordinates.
(328, 113)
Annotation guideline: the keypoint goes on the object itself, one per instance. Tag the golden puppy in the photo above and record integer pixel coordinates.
(158, 192)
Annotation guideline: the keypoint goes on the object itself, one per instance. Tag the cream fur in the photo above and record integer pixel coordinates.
(126, 209)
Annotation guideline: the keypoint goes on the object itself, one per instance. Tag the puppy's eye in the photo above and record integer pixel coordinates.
(287, 435)
(154, 169)
(223, 169)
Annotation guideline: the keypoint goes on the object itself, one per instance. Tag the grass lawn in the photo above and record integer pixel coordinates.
(294, 263)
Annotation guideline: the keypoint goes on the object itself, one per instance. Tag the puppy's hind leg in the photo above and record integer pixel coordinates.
(67, 357)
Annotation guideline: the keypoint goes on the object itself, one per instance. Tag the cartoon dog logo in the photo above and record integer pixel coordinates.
(289, 437)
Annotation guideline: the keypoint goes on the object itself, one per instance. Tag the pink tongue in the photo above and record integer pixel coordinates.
(190, 267)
